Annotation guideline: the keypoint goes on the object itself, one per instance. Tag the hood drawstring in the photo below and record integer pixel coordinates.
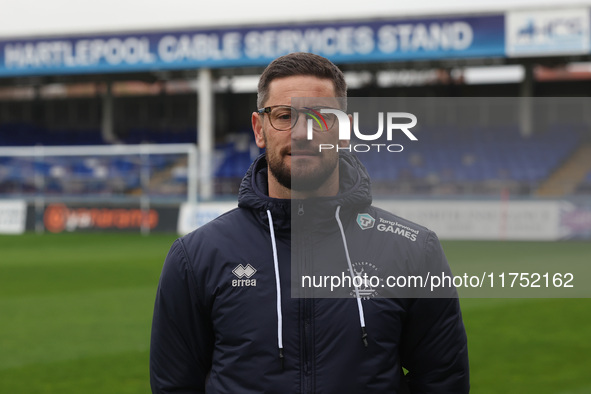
(278, 290)
(278, 284)
(359, 305)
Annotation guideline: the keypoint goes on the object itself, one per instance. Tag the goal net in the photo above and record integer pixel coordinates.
(140, 175)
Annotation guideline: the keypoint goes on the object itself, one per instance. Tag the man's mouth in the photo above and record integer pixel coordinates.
(302, 152)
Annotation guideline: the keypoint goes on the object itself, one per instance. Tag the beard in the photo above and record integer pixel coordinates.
(303, 175)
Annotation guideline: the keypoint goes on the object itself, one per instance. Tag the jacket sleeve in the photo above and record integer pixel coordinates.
(182, 339)
(434, 344)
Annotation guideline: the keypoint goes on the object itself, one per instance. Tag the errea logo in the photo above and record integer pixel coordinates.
(244, 272)
(365, 221)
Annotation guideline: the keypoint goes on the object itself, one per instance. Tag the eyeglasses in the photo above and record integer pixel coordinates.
(284, 117)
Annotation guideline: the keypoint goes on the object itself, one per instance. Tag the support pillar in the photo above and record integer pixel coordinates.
(526, 102)
(205, 127)
(107, 120)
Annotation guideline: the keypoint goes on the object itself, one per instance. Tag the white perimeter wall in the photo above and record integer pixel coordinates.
(467, 220)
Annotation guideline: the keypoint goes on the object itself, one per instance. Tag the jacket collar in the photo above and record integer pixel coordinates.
(354, 193)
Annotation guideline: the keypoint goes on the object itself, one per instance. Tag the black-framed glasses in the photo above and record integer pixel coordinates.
(285, 117)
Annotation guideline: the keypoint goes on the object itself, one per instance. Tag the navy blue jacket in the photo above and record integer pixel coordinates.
(217, 327)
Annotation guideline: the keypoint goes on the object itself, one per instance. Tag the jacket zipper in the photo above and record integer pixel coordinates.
(306, 302)
(307, 351)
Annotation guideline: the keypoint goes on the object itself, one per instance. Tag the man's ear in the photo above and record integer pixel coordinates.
(257, 128)
(345, 143)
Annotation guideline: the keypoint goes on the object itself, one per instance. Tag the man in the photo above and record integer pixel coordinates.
(225, 320)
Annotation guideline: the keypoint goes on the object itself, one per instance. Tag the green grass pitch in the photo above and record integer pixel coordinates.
(76, 309)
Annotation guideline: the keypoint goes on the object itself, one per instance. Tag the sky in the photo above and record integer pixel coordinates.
(35, 18)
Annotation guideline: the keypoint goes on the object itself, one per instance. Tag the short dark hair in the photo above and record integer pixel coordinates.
(300, 63)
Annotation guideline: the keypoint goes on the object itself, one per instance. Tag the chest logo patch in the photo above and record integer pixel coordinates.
(244, 275)
(365, 221)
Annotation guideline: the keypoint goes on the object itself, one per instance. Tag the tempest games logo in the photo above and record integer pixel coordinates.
(391, 119)
(365, 221)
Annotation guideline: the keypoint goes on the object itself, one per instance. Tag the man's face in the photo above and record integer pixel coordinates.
(294, 161)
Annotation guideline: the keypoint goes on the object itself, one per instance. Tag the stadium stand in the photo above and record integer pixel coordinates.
(476, 161)
(155, 136)
(24, 134)
(76, 176)
(162, 102)
(472, 161)
(584, 187)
